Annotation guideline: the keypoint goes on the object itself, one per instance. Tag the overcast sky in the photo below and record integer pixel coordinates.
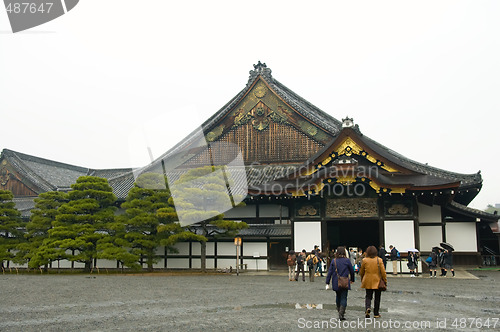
(94, 87)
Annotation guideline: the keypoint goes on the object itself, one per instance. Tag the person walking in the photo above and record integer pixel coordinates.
(441, 261)
(291, 261)
(359, 259)
(340, 266)
(312, 262)
(394, 258)
(301, 257)
(371, 271)
(448, 262)
(412, 263)
(319, 265)
(433, 263)
(382, 254)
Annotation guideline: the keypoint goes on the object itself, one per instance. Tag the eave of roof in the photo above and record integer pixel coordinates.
(471, 212)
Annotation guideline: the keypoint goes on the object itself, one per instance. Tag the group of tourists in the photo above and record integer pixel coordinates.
(314, 261)
(442, 258)
(371, 267)
(341, 274)
(373, 279)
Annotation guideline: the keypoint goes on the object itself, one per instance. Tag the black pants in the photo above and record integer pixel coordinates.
(299, 268)
(369, 297)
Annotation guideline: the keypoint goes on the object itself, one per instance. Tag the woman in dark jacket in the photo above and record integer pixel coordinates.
(433, 263)
(412, 263)
(340, 266)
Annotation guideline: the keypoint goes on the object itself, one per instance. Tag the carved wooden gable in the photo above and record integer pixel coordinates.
(267, 130)
(12, 181)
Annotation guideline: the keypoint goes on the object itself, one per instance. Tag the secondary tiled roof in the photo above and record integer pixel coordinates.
(257, 230)
(471, 212)
(47, 175)
(24, 205)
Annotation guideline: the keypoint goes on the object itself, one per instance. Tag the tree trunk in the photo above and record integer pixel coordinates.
(203, 256)
(88, 266)
(204, 247)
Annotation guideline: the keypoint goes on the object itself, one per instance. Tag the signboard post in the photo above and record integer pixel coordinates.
(237, 243)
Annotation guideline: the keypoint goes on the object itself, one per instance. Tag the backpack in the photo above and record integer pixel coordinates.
(429, 259)
(310, 261)
(398, 255)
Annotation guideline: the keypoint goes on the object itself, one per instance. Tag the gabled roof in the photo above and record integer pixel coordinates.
(393, 172)
(42, 175)
(261, 72)
(45, 175)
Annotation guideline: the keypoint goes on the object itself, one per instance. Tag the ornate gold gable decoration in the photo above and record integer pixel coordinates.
(4, 177)
(351, 208)
(348, 147)
(260, 117)
(399, 209)
(307, 210)
(260, 90)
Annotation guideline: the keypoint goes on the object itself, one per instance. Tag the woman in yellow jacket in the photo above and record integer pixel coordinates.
(372, 269)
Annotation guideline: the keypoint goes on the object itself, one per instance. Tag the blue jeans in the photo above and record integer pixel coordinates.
(319, 267)
(342, 297)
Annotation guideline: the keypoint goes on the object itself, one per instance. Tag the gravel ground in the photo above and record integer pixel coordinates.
(247, 302)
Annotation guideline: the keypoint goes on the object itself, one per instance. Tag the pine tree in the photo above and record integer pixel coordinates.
(11, 227)
(83, 221)
(36, 251)
(147, 212)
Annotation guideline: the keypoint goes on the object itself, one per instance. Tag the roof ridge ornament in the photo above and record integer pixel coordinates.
(262, 70)
(347, 122)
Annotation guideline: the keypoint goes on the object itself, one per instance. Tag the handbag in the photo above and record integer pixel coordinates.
(381, 284)
(342, 282)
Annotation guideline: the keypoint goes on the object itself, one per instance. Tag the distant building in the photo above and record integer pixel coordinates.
(312, 179)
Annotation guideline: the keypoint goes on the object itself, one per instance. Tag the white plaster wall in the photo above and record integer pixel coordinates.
(183, 248)
(106, 264)
(249, 248)
(177, 263)
(247, 211)
(226, 248)
(226, 263)
(254, 264)
(428, 214)
(196, 263)
(430, 236)
(306, 235)
(399, 233)
(462, 236)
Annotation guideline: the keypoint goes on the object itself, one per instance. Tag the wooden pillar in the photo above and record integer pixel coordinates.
(215, 253)
(268, 240)
(165, 258)
(190, 254)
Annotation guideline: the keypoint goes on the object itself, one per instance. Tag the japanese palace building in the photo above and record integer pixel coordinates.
(310, 179)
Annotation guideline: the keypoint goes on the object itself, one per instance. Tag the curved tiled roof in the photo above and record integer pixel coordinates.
(48, 175)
